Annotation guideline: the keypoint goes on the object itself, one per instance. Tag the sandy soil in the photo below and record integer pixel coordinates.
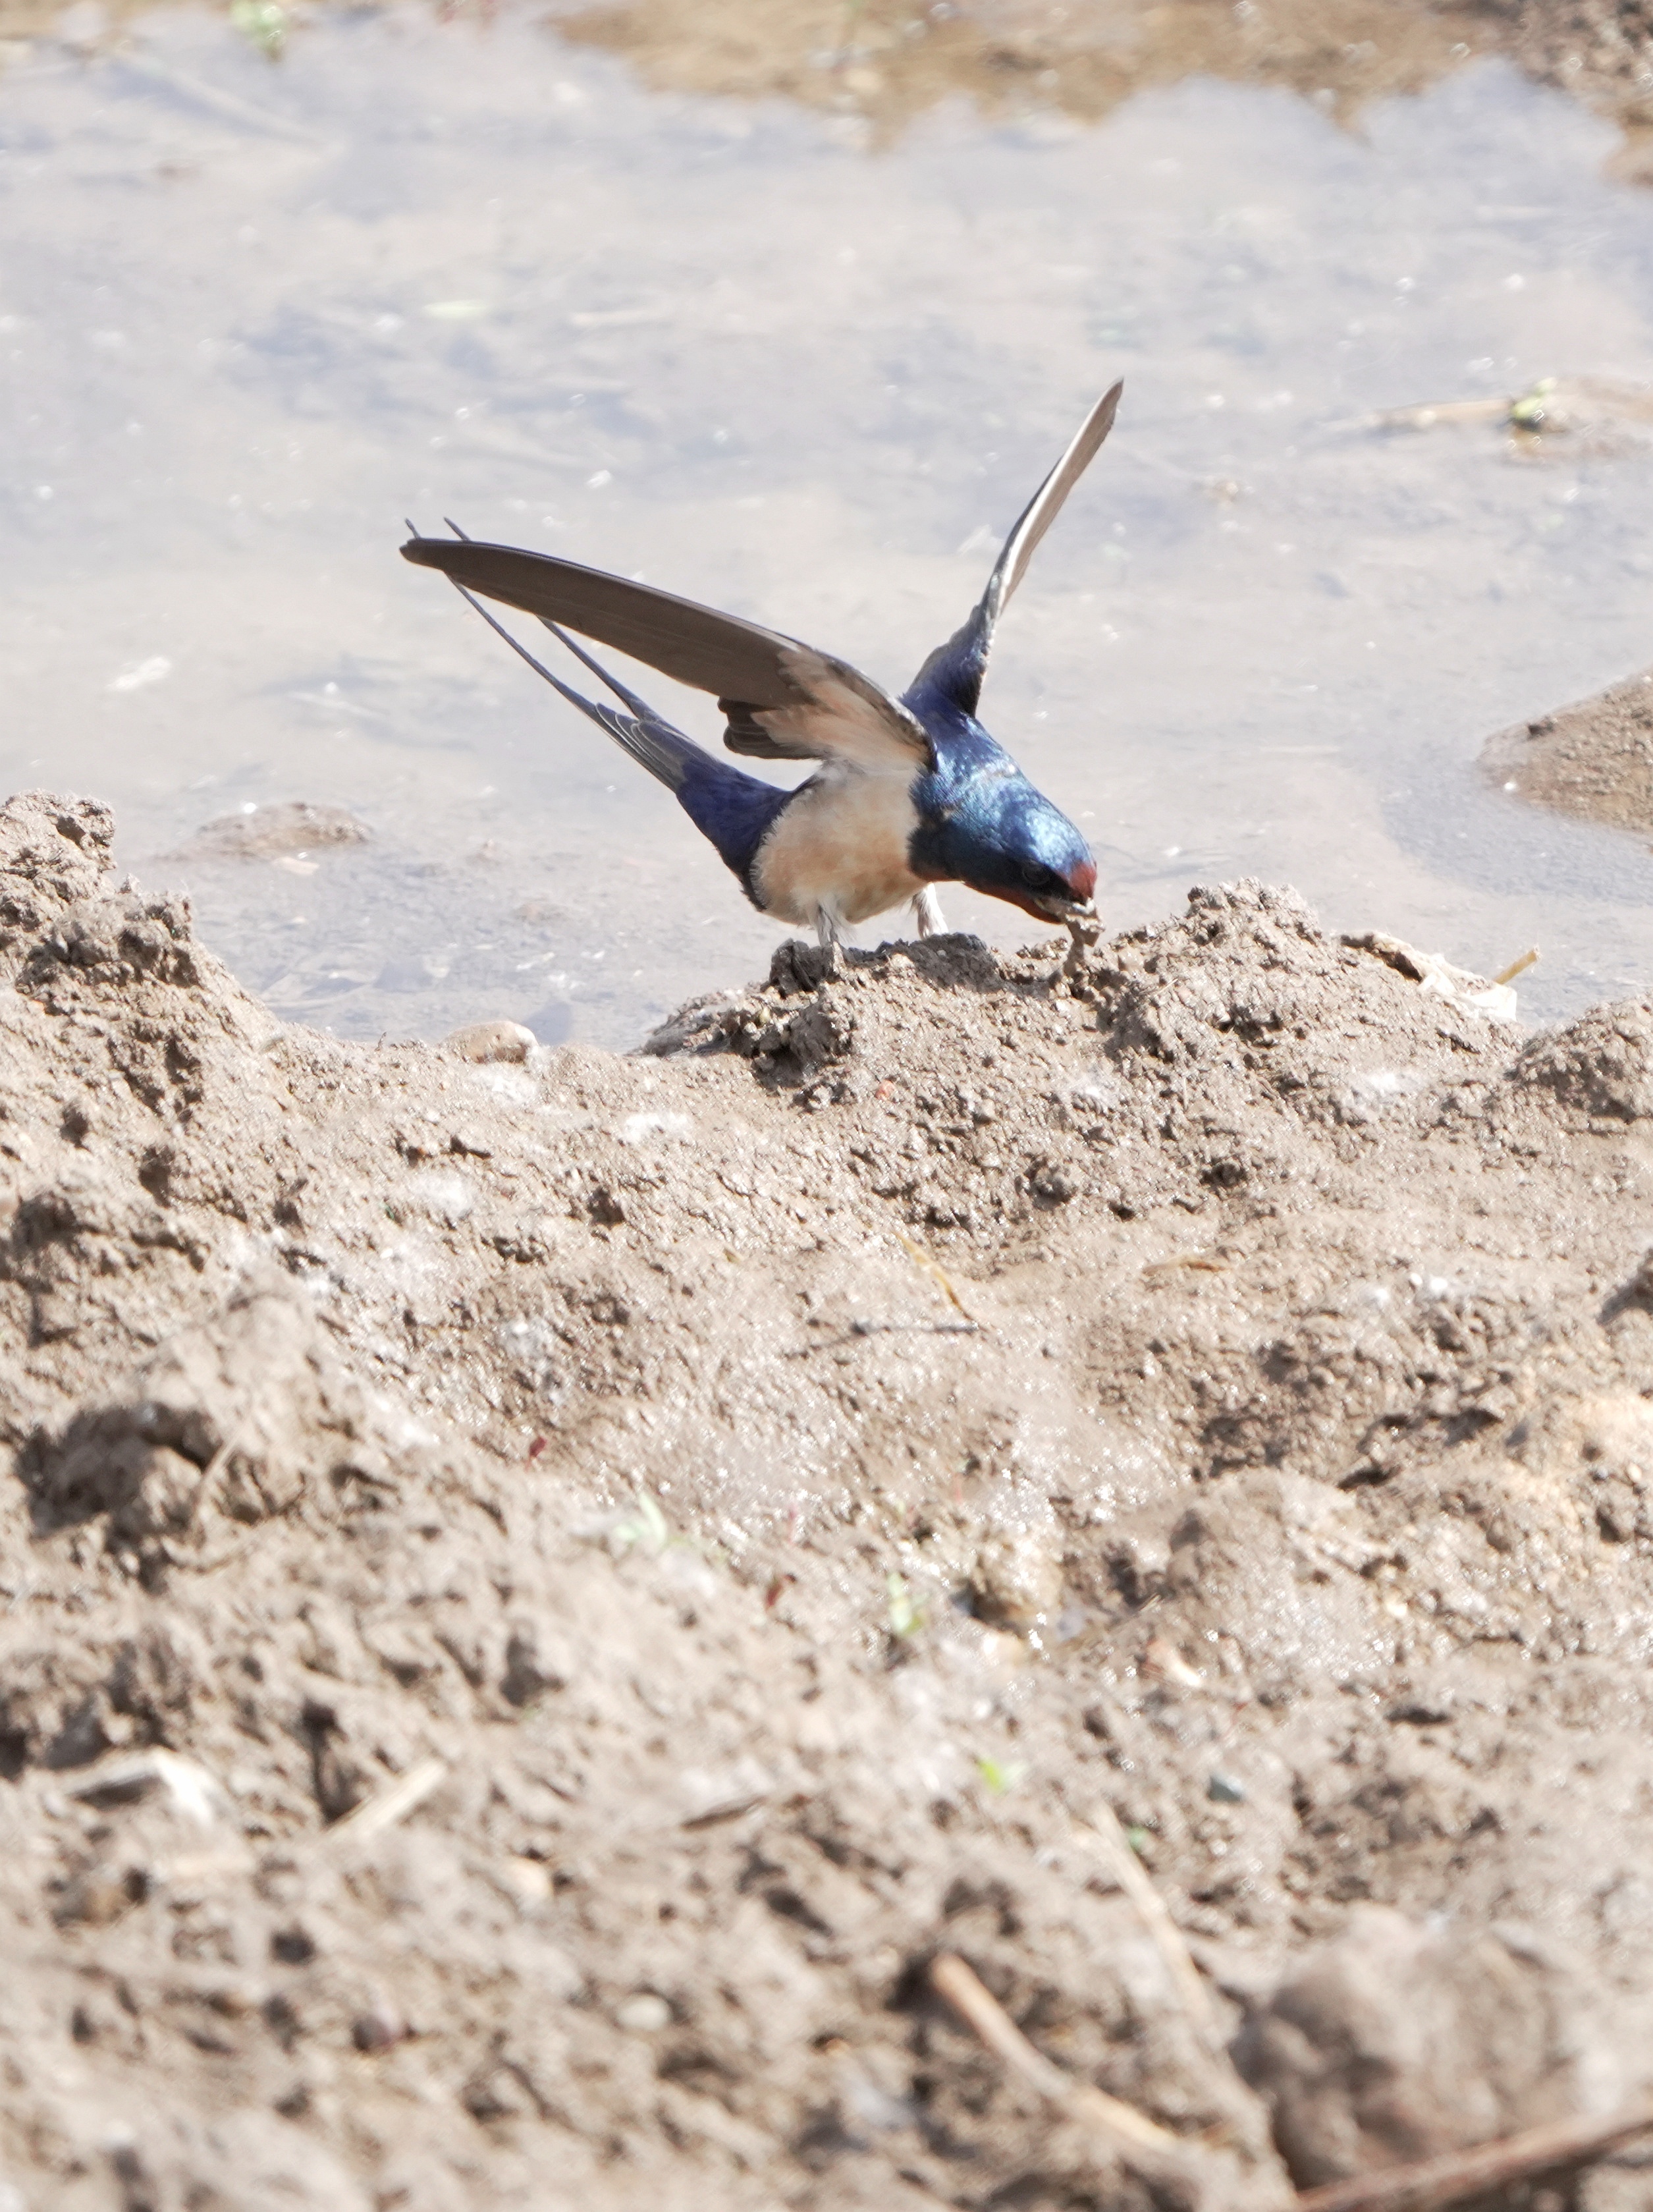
(1593, 759)
(539, 1596)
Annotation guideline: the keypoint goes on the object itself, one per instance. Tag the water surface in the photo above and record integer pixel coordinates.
(253, 315)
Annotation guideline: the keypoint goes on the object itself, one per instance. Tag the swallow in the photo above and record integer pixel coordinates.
(909, 793)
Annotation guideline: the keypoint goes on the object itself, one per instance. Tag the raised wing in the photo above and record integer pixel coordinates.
(647, 737)
(783, 700)
(955, 670)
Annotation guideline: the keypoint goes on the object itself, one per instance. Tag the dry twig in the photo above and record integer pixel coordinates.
(1103, 1833)
(388, 1806)
(1129, 2135)
(934, 1268)
(1423, 2185)
(1518, 967)
(1430, 2184)
(1131, 2132)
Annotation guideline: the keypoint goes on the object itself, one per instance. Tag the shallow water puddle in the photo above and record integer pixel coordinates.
(251, 316)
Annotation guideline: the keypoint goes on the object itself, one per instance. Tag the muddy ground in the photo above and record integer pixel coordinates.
(1593, 759)
(540, 1595)
(889, 60)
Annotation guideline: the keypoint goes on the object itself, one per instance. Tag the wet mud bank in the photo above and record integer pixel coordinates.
(1593, 759)
(540, 1595)
(891, 59)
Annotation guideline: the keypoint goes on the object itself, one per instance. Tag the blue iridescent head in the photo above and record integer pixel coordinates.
(1003, 838)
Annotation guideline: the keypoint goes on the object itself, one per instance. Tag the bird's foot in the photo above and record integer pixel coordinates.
(927, 912)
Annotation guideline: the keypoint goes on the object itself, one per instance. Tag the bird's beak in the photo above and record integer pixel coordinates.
(1073, 902)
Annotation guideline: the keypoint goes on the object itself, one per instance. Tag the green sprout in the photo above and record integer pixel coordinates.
(999, 1777)
(644, 1530)
(264, 23)
(906, 1614)
(1531, 411)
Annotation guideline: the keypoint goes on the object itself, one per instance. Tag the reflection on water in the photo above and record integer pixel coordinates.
(252, 316)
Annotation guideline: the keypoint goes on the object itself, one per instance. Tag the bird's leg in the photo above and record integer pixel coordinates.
(826, 928)
(926, 911)
(830, 930)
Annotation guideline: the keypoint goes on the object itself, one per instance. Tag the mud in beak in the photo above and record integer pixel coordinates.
(1058, 909)
(1076, 902)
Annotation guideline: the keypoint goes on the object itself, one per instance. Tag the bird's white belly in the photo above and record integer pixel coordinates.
(841, 846)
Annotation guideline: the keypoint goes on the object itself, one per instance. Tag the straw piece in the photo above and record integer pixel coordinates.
(386, 1806)
(1518, 967)
(917, 1253)
(1128, 2134)
(1103, 1833)
(1430, 2184)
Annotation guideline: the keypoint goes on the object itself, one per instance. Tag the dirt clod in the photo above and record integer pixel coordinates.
(1593, 759)
(291, 827)
(1394, 2042)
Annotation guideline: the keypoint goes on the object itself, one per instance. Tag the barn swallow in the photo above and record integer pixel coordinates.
(910, 792)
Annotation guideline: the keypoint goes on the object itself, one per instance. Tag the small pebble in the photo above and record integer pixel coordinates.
(1016, 1578)
(96, 1897)
(1162, 1659)
(490, 1040)
(530, 1878)
(234, 2000)
(1222, 1789)
(645, 2013)
(377, 2028)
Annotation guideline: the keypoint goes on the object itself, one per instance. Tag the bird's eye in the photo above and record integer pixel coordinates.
(1035, 877)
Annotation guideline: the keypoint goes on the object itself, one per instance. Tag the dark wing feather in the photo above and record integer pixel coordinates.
(648, 737)
(707, 651)
(733, 810)
(956, 668)
(638, 706)
(783, 700)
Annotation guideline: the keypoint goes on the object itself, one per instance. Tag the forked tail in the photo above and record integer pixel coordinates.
(735, 811)
(649, 738)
